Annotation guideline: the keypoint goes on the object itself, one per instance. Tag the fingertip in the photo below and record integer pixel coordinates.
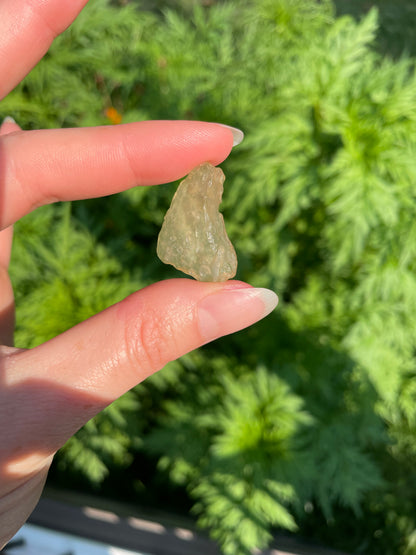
(9, 119)
(9, 125)
(180, 144)
(231, 310)
(237, 134)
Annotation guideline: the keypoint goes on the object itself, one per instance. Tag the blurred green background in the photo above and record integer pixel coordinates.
(305, 422)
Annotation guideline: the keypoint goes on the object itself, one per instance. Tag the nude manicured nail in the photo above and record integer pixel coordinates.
(238, 135)
(233, 309)
(9, 119)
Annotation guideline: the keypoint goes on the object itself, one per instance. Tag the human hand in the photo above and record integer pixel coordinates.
(49, 392)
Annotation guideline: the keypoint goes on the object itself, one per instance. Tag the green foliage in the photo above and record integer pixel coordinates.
(81, 75)
(397, 22)
(105, 442)
(308, 419)
(235, 448)
(60, 264)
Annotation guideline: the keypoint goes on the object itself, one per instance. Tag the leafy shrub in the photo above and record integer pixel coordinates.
(308, 419)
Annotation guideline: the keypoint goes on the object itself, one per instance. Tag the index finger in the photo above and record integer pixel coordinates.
(40, 167)
(27, 29)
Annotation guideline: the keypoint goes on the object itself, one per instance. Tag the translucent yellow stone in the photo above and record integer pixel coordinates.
(193, 237)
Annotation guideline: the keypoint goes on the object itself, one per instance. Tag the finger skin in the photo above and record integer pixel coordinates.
(95, 362)
(17, 505)
(114, 350)
(27, 29)
(6, 235)
(6, 238)
(64, 382)
(44, 166)
(7, 317)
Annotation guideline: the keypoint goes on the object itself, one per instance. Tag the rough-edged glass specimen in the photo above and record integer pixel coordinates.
(193, 236)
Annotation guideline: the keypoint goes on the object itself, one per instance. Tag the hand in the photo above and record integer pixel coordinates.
(49, 392)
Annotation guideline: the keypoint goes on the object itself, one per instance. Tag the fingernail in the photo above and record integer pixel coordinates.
(9, 119)
(233, 309)
(237, 133)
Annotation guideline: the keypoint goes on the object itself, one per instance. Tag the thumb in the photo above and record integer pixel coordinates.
(98, 360)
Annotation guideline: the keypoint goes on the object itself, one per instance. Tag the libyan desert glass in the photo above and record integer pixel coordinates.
(193, 236)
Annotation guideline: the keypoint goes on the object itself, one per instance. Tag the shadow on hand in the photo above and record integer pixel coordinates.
(37, 417)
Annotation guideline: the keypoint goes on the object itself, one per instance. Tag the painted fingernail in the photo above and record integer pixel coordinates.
(233, 309)
(9, 119)
(237, 133)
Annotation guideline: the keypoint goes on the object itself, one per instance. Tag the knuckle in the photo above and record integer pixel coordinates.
(147, 343)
